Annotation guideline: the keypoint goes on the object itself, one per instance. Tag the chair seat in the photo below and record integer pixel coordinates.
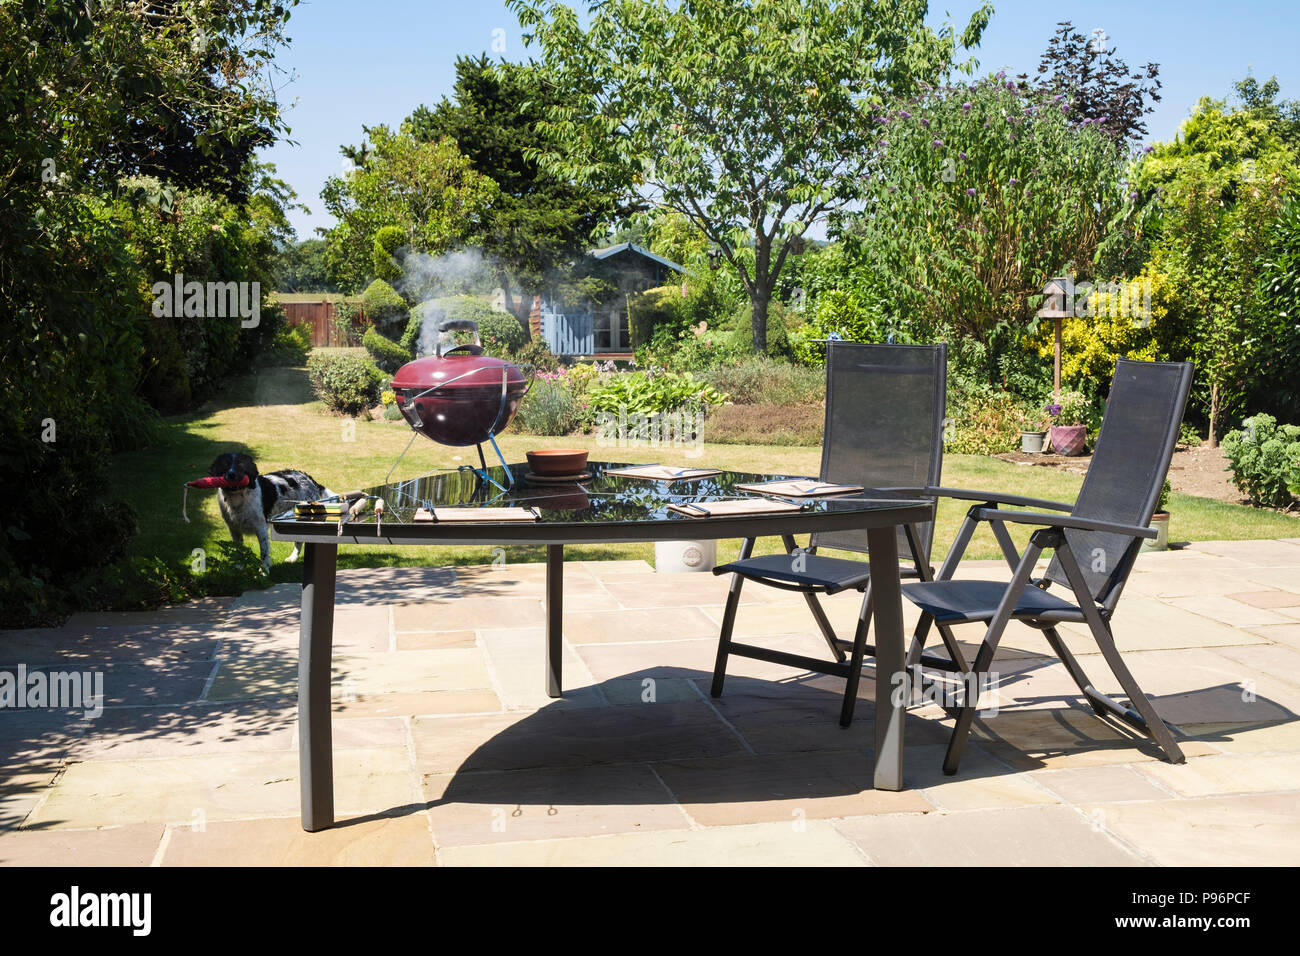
(819, 573)
(957, 602)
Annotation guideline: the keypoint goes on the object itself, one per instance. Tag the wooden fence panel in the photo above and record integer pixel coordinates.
(320, 316)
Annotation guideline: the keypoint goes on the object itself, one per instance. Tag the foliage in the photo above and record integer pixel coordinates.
(1105, 331)
(384, 306)
(501, 332)
(94, 94)
(1162, 504)
(537, 354)
(549, 408)
(386, 353)
(986, 423)
(383, 255)
(1221, 183)
(648, 310)
(746, 118)
(983, 192)
(650, 392)
(1265, 460)
(1071, 408)
(302, 267)
(538, 222)
(345, 382)
(427, 190)
(1098, 83)
(1278, 388)
(759, 380)
(143, 583)
(291, 346)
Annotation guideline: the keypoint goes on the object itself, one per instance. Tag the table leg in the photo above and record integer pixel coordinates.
(554, 618)
(315, 644)
(887, 616)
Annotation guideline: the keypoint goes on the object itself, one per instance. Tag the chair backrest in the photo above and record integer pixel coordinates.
(1128, 468)
(884, 425)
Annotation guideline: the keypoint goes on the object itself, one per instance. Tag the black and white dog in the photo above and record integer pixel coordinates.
(247, 509)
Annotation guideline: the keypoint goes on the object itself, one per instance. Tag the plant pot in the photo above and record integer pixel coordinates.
(1069, 440)
(678, 557)
(1032, 442)
(1160, 522)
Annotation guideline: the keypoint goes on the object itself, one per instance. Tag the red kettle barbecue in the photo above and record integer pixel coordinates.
(458, 396)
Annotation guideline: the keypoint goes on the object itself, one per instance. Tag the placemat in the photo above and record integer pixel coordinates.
(663, 473)
(739, 506)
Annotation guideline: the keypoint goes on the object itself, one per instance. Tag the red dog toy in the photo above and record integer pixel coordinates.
(212, 481)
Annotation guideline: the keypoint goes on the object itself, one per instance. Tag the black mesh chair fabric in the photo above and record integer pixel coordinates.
(829, 574)
(884, 425)
(1129, 464)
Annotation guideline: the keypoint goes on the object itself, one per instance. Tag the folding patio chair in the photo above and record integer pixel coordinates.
(884, 427)
(1094, 545)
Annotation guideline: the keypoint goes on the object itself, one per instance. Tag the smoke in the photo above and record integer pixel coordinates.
(428, 279)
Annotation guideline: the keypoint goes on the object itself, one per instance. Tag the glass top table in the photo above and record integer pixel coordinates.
(603, 508)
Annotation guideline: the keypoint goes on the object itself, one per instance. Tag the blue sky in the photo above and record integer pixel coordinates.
(374, 62)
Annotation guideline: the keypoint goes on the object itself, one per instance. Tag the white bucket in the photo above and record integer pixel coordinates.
(677, 557)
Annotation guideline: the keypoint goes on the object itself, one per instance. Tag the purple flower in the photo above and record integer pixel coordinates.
(1001, 75)
(893, 189)
(1065, 107)
(971, 191)
(1147, 149)
(904, 114)
(965, 107)
(962, 155)
(1031, 111)
(882, 142)
(1013, 181)
(1010, 85)
(936, 142)
(1132, 195)
(925, 123)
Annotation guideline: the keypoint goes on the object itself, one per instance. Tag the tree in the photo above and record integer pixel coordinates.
(1098, 84)
(427, 189)
(745, 116)
(981, 193)
(303, 268)
(1221, 184)
(538, 221)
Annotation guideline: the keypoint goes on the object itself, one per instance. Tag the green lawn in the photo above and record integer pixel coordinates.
(273, 416)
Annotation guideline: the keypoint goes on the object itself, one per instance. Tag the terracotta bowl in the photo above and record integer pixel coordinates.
(548, 462)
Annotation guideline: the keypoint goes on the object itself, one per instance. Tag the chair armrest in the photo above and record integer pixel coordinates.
(1064, 521)
(966, 494)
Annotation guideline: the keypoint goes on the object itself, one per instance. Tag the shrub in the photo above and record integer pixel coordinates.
(346, 315)
(345, 382)
(845, 314)
(987, 423)
(410, 340)
(739, 330)
(384, 254)
(757, 379)
(388, 355)
(660, 307)
(538, 354)
(643, 392)
(1265, 460)
(384, 306)
(549, 408)
(291, 346)
(501, 332)
(1071, 408)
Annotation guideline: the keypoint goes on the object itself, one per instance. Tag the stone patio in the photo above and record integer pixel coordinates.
(448, 752)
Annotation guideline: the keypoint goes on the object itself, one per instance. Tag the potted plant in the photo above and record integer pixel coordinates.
(1069, 428)
(1033, 429)
(1160, 522)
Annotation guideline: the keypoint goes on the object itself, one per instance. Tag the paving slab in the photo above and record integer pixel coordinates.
(401, 840)
(1249, 831)
(182, 790)
(547, 803)
(781, 788)
(1268, 599)
(571, 738)
(516, 661)
(133, 845)
(417, 704)
(1227, 610)
(1088, 785)
(1026, 836)
(1273, 737)
(1228, 773)
(765, 844)
(1260, 554)
(190, 729)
